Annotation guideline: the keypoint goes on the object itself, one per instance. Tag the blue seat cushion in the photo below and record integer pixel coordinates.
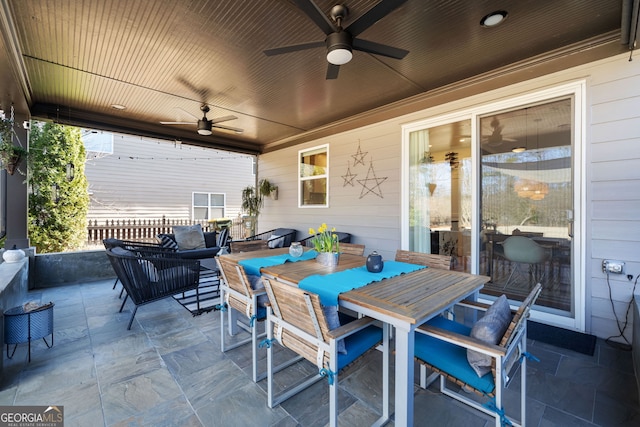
(357, 344)
(451, 358)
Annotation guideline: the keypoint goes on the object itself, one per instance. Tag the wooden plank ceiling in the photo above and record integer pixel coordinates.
(162, 59)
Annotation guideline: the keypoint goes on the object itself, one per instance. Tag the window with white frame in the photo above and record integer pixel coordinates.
(313, 177)
(208, 206)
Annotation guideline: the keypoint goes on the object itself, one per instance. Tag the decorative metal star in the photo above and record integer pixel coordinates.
(359, 156)
(348, 177)
(375, 187)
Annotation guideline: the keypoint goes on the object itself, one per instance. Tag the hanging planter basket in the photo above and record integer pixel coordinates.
(10, 154)
(12, 163)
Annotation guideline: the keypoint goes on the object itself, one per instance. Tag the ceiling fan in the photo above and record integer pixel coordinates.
(340, 42)
(205, 125)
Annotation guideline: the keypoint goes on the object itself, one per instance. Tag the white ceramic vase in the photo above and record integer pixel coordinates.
(13, 255)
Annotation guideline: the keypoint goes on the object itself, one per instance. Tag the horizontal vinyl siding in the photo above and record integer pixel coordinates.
(614, 208)
(146, 178)
(612, 179)
(372, 220)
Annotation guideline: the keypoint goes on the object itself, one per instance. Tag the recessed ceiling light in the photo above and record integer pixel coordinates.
(518, 149)
(118, 106)
(493, 19)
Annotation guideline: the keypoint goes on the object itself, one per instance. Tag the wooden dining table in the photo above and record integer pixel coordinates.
(405, 302)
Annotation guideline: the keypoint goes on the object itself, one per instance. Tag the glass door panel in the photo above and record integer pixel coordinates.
(440, 191)
(526, 210)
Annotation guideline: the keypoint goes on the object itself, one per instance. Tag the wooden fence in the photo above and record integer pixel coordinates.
(146, 229)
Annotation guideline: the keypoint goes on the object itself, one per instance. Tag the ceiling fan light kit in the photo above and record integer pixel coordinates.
(204, 128)
(339, 48)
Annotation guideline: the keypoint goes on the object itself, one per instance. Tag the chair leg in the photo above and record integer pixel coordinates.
(132, 316)
(123, 303)
(222, 316)
(333, 393)
(385, 375)
(523, 386)
(254, 353)
(513, 270)
(498, 379)
(115, 283)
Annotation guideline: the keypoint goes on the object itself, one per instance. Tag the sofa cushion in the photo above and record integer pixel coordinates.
(149, 270)
(490, 328)
(119, 250)
(281, 237)
(210, 239)
(112, 242)
(189, 237)
(275, 242)
(168, 241)
(333, 322)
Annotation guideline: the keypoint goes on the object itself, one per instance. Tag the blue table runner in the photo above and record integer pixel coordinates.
(329, 286)
(252, 266)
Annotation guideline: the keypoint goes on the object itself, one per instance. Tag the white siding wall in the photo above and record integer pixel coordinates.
(347, 211)
(146, 178)
(612, 182)
(614, 191)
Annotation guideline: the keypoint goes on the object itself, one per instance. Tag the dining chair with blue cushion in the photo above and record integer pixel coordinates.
(480, 358)
(236, 293)
(297, 321)
(246, 295)
(442, 262)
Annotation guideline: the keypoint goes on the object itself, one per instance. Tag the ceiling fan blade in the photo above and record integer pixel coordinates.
(332, 71)
(223, 119)
(317, 16)
(293, 48)
(373, 15)
(379, 49)
(187, 113)
(236, 130)
(178, 123)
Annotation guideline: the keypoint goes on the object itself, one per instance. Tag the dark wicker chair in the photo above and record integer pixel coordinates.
(342, 238)
(135, 246)
(276, 238)
(153, 276)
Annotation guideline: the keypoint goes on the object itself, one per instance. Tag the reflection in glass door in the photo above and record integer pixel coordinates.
(440, 192)
(526, 210)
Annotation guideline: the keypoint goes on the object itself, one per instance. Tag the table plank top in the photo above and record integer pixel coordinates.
(412, 297)
(409, 297)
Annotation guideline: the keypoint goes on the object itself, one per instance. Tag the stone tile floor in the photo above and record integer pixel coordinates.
(168, 370)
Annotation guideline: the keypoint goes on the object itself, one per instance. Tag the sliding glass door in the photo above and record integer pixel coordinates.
(526, 203)
(495, 188)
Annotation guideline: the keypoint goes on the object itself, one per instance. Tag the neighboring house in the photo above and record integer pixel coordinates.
(369, 173)
(132, 177)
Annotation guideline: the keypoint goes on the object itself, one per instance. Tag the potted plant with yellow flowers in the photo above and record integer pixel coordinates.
(326, 243)
(11, 155)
